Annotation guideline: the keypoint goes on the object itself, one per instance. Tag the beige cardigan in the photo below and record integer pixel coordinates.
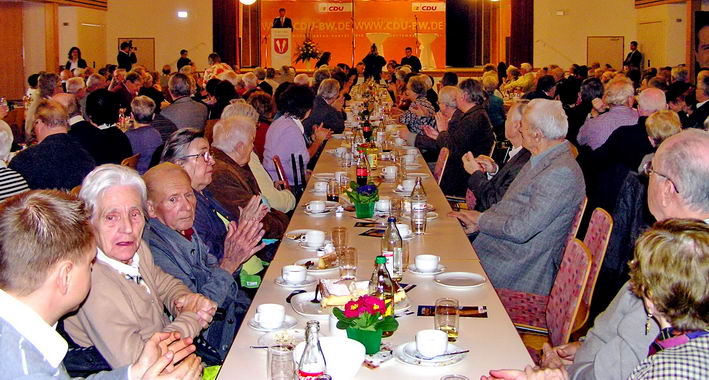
(119, 315)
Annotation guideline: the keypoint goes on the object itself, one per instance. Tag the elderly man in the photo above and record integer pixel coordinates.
(263, 83)
(250, 84)
(327, 108)
(88, 136)
(701, 109)
(619, 96)
(488, 191)
(47, 275)
(184, 112)
(525, 82)
(57, 161)
(179, 251)
(233, 183)
(521, 238)
(472, 133)
(128, 89)
(619, 340)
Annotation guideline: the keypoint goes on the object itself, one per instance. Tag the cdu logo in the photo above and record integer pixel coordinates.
(280, 45)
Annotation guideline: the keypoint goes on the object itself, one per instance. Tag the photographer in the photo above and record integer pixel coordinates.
(126, 55)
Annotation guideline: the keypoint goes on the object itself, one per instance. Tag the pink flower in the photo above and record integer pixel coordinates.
(353, 309)
(373, 305)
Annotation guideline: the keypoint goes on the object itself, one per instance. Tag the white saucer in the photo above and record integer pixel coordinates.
(296, 234)
(288, 322)
(309, 248)
(407, 353)
(324, 176)
(431, 215)
(414, 175)
(414, 270)
(283, 337)
(413, 166)
(317, 214)
(460, 280)
(316, 270)
(309, 280)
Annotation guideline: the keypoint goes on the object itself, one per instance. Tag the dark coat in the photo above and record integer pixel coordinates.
(125, 60)
(326, 114)
(490, 191)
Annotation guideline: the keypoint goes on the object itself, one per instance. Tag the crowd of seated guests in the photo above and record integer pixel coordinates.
(215, 209)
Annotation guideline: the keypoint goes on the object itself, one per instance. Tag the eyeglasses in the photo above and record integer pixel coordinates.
(648, 170)
(206, 156)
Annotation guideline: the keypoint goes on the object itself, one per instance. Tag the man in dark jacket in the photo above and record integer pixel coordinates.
(488, 191)
(327, 108)
(126, 56)
(373, 64)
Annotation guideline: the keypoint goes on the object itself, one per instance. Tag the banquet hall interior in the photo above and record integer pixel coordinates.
(354, 189)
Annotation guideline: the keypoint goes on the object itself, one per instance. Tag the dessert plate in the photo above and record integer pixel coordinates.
(460, 280)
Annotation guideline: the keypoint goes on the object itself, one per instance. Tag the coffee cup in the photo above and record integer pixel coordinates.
(270, 315)
(412, 151)
(340, 151)
(383, 204)
(408, 184)
(427, 263)
(404, 230)
(430, 343)
(409, 159)
(294, 274)
(316, 206)
(320, 187)
(313, 238)
(390, 171)
(334, 331)
(400, 142)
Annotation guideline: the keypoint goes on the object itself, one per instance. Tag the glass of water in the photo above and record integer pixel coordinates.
(347, 258)
(446, 316)
(418, 221)
(280, 365)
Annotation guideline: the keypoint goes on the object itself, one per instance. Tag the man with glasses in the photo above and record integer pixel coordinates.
(619, 340)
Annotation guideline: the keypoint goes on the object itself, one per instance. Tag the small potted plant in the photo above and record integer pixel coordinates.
(363, 321)
(363, 198)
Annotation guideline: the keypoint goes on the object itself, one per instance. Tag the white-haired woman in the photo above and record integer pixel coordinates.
(129, 292)
(421, 112)
(11, 182)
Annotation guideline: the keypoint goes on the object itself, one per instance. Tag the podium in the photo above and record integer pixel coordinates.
(281, 47)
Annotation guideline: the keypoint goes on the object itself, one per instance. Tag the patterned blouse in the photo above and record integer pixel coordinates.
(686, 361)
(414, 122)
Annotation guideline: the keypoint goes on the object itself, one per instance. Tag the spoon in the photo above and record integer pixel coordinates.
(418, 355)
(315, 298)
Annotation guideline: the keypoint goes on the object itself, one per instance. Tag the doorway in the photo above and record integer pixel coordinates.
(605, 49)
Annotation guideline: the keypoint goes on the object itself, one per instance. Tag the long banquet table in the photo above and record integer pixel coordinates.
(493, 341)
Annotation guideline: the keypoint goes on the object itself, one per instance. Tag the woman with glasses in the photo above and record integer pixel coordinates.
(189, 149)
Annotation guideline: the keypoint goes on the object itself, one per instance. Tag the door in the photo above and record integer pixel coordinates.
(651, 42)
(605, 49)
(11, 62)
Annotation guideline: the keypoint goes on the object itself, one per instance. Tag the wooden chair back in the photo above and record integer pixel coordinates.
(441, 164)
(280, 171)
(131, 162)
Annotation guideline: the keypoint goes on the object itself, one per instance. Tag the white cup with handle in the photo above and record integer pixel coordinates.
(383, 204)
(270, 315)
(294, 274)
(427, 263)
(430, 343)
(316, 206)
(390, 171)
(408, 184)
(313, 238)
(320, 187)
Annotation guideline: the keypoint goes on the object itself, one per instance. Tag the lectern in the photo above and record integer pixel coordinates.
(281, 47)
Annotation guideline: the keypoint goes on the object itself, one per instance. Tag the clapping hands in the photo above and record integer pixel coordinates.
(198, 304)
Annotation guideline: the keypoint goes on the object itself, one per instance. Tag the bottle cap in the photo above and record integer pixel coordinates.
(391, 219)
(380, 260)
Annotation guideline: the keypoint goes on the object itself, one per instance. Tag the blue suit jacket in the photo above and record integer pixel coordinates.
(522, 237)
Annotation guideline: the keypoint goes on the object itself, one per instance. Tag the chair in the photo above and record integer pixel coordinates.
(131, 162)
(596, 239)
(577, 220)
(75, 190)
(280, 171)
(552, 315)
(441, 164)
(209, 130)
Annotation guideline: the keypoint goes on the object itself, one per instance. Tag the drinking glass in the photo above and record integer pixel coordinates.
(446, 316)
(333, 190)
(344, 184)
(347, 258)
(418, 221)
(339, 237)
(280, 365)
(395, 207)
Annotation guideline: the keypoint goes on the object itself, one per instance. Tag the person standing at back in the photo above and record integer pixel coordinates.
(126, 56)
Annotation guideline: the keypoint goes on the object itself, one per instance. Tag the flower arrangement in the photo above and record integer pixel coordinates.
(308, 49)
(363, 194)
(365, 313)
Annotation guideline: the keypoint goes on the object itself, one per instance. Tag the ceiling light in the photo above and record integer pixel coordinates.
(182, 14)
(247, 2)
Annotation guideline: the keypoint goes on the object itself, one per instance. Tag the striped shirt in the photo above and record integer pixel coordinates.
(11, 183)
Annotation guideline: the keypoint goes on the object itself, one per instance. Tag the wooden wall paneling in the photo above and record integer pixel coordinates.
(11, 62)
(692, 6)
(51, 36)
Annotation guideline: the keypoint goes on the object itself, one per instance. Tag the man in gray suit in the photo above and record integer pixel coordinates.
(46, 275)
(184, 112)
(521, 238)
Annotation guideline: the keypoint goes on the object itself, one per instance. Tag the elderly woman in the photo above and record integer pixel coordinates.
(189, 149)
(659, 126)
(273, 192)
(399, 87)
(179, 250)
(669, 272)
(286, 135)
(421, 112)
(11, 182)
(143, 137)
(449, 110)
(494, 105)
(129, 292)
(152, 90)
(263, 104)
(102, 107)
(327, 108)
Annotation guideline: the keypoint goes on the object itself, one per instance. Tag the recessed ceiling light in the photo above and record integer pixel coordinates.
(182, 14)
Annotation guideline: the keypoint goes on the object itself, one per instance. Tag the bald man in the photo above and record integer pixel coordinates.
(179, 251)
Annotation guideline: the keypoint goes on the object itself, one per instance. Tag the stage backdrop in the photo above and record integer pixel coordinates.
(391, 24)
